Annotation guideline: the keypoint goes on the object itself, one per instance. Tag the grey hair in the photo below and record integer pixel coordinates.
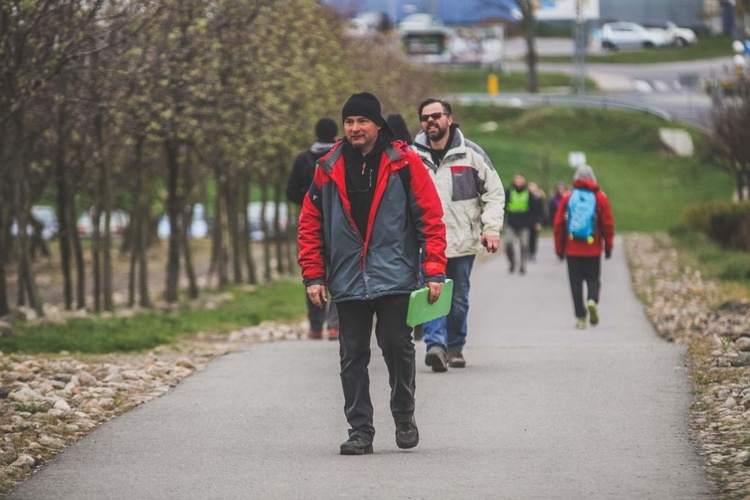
(584, 172)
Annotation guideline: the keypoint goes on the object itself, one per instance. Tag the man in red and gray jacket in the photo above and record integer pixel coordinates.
(370, 218)
(584, 256)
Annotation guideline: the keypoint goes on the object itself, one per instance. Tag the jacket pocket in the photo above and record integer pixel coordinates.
(464, 183)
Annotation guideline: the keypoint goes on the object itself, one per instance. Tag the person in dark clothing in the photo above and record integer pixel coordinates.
(554, 202)
(522, 215)
(398, 127)
(297, 186)
(584, 256)
(368, 223)
(540, 199)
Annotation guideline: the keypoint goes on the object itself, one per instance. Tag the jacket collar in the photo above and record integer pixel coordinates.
(456, 146)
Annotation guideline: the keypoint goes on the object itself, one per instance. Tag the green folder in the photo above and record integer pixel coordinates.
(421, 311)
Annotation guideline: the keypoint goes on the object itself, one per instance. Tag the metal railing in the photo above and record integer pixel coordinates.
(578, 101)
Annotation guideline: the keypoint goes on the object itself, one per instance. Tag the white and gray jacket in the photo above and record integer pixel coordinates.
(471, 192)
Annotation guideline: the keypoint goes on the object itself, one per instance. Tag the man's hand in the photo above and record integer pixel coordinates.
(608, 254)
(435, 289)
(491, 243)
(317, 294)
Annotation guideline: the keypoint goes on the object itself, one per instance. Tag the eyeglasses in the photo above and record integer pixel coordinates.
(434, 116)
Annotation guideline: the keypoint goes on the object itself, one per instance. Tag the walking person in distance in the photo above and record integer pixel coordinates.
(584, 228)
(297, 186)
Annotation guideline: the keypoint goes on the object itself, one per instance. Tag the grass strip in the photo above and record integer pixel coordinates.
(279, 301)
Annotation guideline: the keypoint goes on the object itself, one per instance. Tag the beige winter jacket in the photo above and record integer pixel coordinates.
(471, 192)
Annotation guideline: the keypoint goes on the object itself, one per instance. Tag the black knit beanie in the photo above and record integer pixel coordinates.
(363, 104)
(326, 130)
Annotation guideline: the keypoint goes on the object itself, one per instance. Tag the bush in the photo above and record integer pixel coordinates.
(728, 224)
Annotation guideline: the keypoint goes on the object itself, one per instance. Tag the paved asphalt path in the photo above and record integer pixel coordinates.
(541, 411)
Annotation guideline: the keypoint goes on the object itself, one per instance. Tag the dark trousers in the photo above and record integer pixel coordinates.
(394, 339)
(580, 270)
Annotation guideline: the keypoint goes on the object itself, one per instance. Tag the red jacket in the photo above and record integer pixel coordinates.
(604, 231)
(405, 228)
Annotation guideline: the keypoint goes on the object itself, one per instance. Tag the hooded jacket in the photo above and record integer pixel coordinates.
(405, 217)
(604, 229)
(470, 190)
(303, 171)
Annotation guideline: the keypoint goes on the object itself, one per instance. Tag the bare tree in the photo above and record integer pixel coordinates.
(529, 25)
(731, 139)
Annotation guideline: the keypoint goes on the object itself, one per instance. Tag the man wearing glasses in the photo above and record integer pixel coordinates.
(370, 210)
(473, 202)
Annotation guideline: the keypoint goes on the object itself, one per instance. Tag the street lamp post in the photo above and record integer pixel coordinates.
(581, 42)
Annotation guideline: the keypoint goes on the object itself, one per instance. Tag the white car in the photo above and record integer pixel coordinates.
(679, 37)
(118, 222)
(198, 228)
(625, 35)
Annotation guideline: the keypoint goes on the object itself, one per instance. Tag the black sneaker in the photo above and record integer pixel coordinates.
(357, 444)
(407, 434)
(436, 359)
(456, 360)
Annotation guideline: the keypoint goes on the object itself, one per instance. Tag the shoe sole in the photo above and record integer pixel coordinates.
(356, 451)
(593, 314)
(436, 363)
(407, 446)
(457, 364)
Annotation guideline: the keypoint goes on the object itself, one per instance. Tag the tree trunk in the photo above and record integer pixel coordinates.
(5, 190)
(80, 262)
(193, 291)
(252, 276)
(105, 195)
(96, 256)
(278, 238)
(137, 222)
(529, 31)
(64, 225)
(267, 275)
(233, 211)
(187, 221)
(174, 210)
(26, 281)
(218, 249)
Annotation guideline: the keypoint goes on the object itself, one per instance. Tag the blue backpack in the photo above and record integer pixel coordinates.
(582, 215)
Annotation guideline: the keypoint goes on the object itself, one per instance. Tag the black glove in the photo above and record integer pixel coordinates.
(561, 256)
(608, 253)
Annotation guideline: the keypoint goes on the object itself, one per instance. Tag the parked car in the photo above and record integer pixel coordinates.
(679, 37)
(254, 220)
(625, 35)
(118, 222)
(198, 227)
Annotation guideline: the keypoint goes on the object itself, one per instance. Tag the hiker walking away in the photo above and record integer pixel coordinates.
(584, 227)
(539, 197)
(522, 215)
(369, 211)
(473, 198)
(297, 186)
(399, 128)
